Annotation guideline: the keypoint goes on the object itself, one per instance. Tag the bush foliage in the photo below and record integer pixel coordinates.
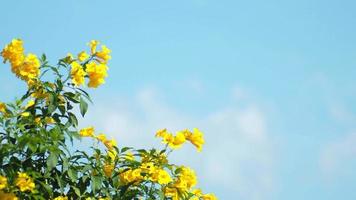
(38, 159)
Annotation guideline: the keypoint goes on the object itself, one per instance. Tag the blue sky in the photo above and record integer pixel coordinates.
(271, 83)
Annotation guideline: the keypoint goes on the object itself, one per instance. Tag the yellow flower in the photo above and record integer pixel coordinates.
(101, 137)
(3, 182)
(77, 74)
(131, 175)
(161, 133)
(97, 74)
(25, 182)
(8, 196)
(108, 168)
(110, 144)
(148, 167)
(30, 69)
(49, 120)
(14, 53)
(87, 132)
(93, 44)
(83, 56)
(61, 198)
(209, 197)
(2, 107)
(161, 176)
(196, 138)
(186, 179)
(171, 192)
(104, 54)
(30, 104)
(25, 114)
(173, 142)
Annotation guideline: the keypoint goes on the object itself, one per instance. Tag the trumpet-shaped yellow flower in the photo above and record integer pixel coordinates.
(173, 142)
(110, 144)
(2, 107)
(7, 196)
(186, 179)
(93, 44)
(108, 168)
(24, 182)
(30, 104)
(97, 74)
(83, 56)
(3, 182)
(61, 198)
(30, 69)
(131, 175)
(171, 192)
(161, 176)
(196, 138)
(77, 74)
(14, 53)
(87, 132)
(104, 54)
(25, 114)
(101, 137)
(208, 197)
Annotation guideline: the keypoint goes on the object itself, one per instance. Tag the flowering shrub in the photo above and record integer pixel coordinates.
(37, 156)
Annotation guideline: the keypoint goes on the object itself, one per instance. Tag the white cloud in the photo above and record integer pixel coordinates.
(237, 157)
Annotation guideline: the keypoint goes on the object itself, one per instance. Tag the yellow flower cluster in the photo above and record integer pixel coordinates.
(94, 66)
(90, 132)
(26, 67)
(176, 141)
(25, 182)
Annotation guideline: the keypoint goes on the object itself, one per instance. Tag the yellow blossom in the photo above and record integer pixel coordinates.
(131, 175)
(77, 74)
(93, 44)
(97, 74)
(108, 168)
(83, 56)
(7, 196)
(30, 69)
(49, 120)
(3, 182)
(104, 54)
(2, 107)
(209, 197)
(25, 114)
(186, 179)
(101, 137)
(110, 144)
(161, 176)
(196, 138)
(30, 104)
(61, 198)
(87, 132)
(171, 192)
(25, 182)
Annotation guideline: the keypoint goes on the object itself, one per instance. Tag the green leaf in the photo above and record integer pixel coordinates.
(72, 175)
(83, 106)
(52, 161)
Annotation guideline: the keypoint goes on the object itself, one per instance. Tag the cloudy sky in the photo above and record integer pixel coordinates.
(271, 83)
